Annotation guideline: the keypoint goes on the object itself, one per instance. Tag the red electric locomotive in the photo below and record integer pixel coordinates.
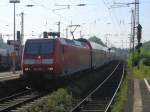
(53, 58)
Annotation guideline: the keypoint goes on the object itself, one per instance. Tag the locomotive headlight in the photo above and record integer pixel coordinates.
(51, 68)
(26, 69)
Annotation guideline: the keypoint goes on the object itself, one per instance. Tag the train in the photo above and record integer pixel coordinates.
(6, 61)
(47, 59)
(5, 58)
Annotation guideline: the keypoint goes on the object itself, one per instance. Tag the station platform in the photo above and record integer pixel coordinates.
(9, 75)
(138, 96)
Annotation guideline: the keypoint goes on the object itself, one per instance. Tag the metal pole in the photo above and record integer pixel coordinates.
(137, 11)
(14, 61)
(80, 34)
(122, 44)
(106, 39)
(59, 27)
(66, 32)
(131, 35)
(14, 19)
(22, 28)
(133, 19)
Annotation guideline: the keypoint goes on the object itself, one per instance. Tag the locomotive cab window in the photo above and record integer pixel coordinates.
(39, 47)
(31, 48)
(46, 47)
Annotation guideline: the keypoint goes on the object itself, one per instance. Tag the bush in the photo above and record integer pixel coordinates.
(146, 61)
(58, 101)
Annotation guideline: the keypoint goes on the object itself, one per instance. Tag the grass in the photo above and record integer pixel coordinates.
(58, 101)
(139, 73)
(133, 72)
(121, 98)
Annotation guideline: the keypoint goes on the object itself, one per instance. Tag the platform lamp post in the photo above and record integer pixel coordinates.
(13, 54)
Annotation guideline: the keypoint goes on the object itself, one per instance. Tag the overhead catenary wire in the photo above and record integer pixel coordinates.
(122, 20)
(108, 8)
(113, 16)
(65, 17)
(61, 18)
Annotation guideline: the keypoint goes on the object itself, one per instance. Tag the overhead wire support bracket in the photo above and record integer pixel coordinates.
(72, 32)
(119, 5)
(68, 6)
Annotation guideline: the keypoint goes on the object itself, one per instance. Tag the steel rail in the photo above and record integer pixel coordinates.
(14, 95)
(18, 100)
(108, 106)
(85, 99)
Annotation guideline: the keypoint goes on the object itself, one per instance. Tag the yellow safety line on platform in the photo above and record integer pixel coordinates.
(147, 84)
(8, 76)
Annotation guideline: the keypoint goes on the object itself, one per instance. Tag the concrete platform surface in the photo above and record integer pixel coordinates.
(9, 75)
(141, 95)
(138, 96)
(145, 94)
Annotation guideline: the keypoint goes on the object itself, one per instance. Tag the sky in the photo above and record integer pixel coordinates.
(96, 18)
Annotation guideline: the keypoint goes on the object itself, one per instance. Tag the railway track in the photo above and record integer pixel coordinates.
(100, 99)
(10, 103)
